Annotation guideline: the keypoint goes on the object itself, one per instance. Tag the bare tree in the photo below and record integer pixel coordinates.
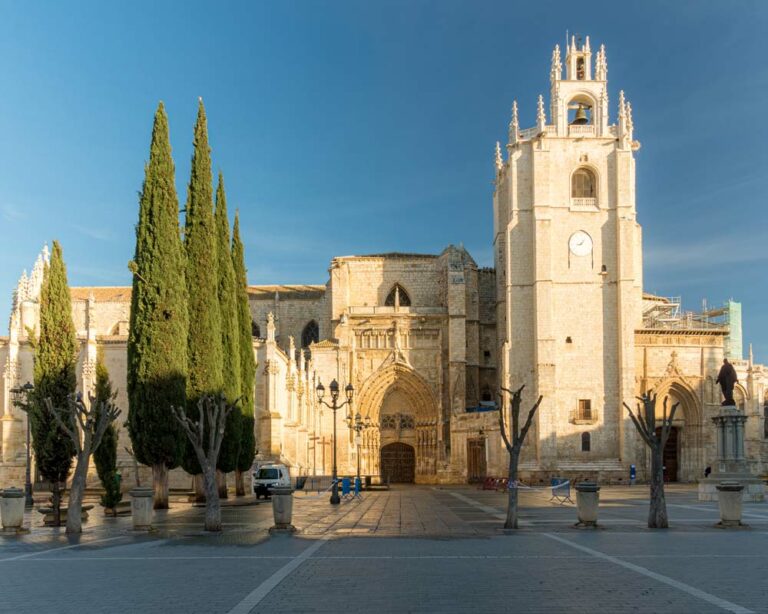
(130, 453)
(206, 435)
(85, 426)
(645, 422)
(517, 435)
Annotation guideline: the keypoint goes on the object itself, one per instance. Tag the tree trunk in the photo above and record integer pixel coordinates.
(212, 506)
(239, 484)
(221, 481)
(199, 488)
(56, 502)
(160, 485)
(511, 521)
(657, 513)
(75, 509)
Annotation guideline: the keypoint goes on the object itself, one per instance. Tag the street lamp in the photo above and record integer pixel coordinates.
(20, 397)
(334, 405)
(358, 425)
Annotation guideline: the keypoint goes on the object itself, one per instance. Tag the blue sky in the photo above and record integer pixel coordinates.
(356, 127)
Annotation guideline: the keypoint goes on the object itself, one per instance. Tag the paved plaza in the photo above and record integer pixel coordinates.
(410, 549)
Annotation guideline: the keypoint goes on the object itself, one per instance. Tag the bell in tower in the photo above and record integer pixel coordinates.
(581, 117)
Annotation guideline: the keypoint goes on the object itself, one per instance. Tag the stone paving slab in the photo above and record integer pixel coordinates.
(419, 549)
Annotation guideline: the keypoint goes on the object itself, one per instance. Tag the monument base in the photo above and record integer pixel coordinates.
(754, 489)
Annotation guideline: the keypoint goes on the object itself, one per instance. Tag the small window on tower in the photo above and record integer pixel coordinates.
(585, 409)
(583, 184)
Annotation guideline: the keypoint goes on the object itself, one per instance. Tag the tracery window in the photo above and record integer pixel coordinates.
(397, 296)
(407, 422)
(586, 442)
(388, 421)
(583, 184)
(310, 334)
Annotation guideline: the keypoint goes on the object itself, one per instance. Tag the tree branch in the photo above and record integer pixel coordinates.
(529, 420)
(502, 426)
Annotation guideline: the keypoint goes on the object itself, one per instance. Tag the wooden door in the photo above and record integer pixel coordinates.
(671, 454)
(476, 467)
(398, 463)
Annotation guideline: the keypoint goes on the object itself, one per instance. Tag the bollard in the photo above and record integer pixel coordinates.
(729, 501)
(141, 508)
(282, 510)
(12, 511)
(587, 503)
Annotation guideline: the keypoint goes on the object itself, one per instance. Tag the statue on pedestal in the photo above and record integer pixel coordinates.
(727, 379)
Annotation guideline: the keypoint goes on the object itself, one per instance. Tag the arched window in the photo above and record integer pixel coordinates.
(583, 184)
(310, 334)
(397, 297)
(586, 442)
(255, 330)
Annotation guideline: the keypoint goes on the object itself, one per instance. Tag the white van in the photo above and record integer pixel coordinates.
(270, 476)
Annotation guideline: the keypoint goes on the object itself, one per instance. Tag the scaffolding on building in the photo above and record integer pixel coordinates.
(667, 313)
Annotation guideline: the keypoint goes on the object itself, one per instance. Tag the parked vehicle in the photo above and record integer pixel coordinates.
(270, 476)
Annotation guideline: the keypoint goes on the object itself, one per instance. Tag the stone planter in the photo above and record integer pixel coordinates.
(729, 501)
(49, 517)
(587, 503)
(12, 510)
(282, 510)
(141, 508)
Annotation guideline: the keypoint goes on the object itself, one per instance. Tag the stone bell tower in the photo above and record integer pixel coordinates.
(568, 258)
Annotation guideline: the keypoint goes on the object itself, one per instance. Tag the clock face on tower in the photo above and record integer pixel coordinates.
(580, 243)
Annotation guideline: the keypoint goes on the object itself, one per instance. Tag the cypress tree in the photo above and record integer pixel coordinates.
(157, 340)
(55, 378)
(204, 347)
(247, 360)
(230, 341)
(105, 456)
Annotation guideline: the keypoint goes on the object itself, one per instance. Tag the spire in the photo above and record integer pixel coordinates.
(514, 125)
(622, 107)
(601, 65)
(498, 161)
(541, 118)
(556, 71)
(586, 45)
(751, 357)
(271, 327)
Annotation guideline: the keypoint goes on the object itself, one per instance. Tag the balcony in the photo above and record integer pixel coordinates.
(584, 202)
(581, 130)
(583, 415)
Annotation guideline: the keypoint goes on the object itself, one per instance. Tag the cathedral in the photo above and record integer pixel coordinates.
(426, 340)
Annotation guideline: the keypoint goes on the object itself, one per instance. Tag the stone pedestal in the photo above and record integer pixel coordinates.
(282, 510)
(12, 510)
(587, 503)
(141, 508)
(729, 499)
(731, 464)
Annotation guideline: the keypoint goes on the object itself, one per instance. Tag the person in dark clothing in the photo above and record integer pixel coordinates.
(707, 471)
(727, 379)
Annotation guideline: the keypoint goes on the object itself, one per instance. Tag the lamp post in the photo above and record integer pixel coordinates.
(358, 425)
(334, 405)
(20, 396)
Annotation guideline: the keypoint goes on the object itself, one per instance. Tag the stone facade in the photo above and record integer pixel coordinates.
(425, 340)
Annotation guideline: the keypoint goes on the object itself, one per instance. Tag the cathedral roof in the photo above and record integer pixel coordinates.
(288, 291)
(102, 294)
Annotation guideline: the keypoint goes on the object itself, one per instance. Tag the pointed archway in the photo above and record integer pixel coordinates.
(685, 453)
(403, 408)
